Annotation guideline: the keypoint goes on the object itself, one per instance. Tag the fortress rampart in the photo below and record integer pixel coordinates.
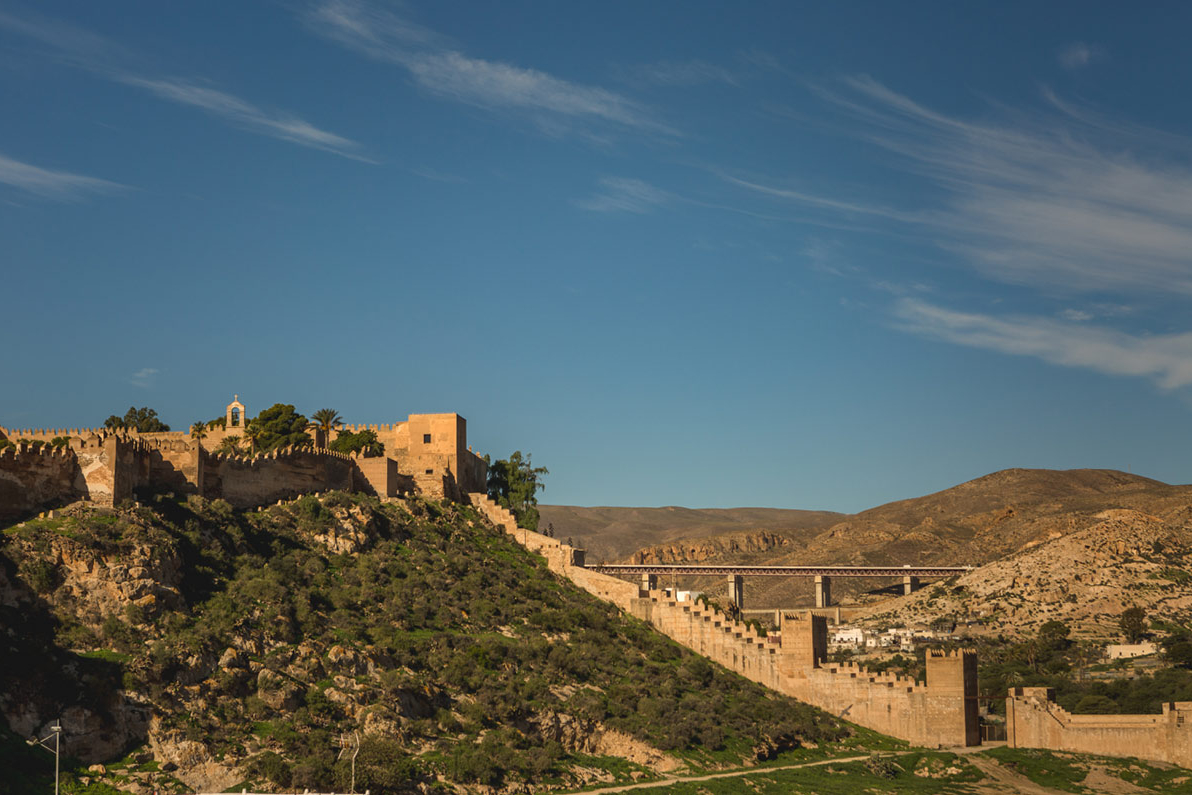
(427, 454)
(942, 712)
(1034, 720)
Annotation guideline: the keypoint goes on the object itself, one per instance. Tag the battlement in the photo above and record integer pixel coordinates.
(1034, 720)
(24, 452)
(109, 465)
(44, 434)
(381, 429)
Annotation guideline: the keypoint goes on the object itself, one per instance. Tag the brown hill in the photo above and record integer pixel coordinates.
(974, 523)
(1084, 579)
(611, 533)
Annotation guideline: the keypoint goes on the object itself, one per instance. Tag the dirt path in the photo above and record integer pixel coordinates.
(1005, 780)
(666, 782)
(1000, 779)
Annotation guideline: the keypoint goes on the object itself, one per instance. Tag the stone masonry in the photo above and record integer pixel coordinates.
(427, 454)
(1034, 720)
(940, 713)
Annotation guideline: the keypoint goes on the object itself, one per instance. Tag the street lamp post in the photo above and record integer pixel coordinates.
(56, 734)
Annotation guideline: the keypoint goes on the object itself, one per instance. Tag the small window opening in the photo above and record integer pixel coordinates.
(426, 438)
(235, 418)
(430, 472)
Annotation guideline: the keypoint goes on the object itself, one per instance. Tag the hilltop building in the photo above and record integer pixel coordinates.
(427, 454)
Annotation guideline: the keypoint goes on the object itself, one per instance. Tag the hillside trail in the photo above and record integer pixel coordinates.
(1001, 779)
(666, 782)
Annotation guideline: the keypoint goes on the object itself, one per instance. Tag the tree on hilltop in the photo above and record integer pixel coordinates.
(514, 483)
(326, 420)
(278, 426)
(365, 441)
(142, 420)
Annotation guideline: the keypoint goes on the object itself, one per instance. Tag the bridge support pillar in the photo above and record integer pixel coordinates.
(909, 584)
(823, 591)
(736, 590)
(649, 582)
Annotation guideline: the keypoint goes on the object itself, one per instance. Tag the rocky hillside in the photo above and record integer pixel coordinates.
(190, 646)
(613, 534)
(1084, 579)
(975, 523)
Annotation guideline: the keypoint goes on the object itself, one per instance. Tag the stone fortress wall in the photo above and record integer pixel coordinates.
(427, 454)
(1034, 720)
(942, 712)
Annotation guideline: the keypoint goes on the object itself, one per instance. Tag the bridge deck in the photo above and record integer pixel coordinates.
(781, 571)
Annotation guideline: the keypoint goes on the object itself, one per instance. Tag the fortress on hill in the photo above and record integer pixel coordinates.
(427, 454)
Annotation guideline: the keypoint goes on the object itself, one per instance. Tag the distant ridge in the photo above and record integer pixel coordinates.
(973, 523)
(613, 533)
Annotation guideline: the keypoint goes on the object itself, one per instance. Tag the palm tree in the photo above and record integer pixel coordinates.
(326, 420)
(198, 431)
(252, 433)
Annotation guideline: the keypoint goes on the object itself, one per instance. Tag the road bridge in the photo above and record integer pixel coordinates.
(736, 575)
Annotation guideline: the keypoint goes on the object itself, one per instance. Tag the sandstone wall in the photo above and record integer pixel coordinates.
(33, 479)
(942, 712)
(381, 476)
(109, 468)
(1034, 720)
(246, 482)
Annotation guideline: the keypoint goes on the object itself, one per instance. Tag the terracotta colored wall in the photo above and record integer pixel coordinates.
(1034, 720)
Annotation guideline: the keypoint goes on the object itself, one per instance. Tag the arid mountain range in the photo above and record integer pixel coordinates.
(1039, 537)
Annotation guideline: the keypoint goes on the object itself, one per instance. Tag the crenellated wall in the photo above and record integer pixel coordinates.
(31, 479)
(283, 474)
(1034, 720)
(942, 712)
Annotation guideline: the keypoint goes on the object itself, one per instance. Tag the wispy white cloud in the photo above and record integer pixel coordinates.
(678, 74)
(98, 55)
(1078, 55)
(624, 194)
(144, 378)
(61, 185)
(244, 114)
(443, 70)
(1076, 315)
(438, 176)
(1166, 359)
(1060, 200)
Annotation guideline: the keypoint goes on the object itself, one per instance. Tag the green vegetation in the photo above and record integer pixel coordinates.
(277, 426)
(144, 420)
(326, 420)
(912, 772)
(1052, 660)
(31, 769)
(463, 653)
(363, 442)
(515, 483)
(1133, 623)
(1070, 772)
(230, 445)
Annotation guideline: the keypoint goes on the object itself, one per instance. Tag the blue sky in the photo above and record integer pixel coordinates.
(794, 255)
